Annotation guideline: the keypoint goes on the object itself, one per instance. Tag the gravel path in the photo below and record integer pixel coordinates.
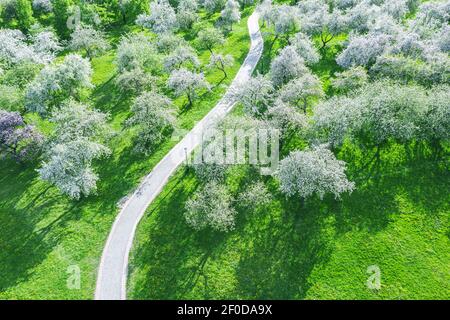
(113, 268)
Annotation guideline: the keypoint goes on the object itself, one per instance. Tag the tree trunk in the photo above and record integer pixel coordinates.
(189, 99)
(325, 40)
(271, 45)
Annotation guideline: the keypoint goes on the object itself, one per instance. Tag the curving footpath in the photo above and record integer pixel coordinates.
(113, 268)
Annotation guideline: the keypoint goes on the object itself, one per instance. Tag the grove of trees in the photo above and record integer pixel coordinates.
(389, 87)
(48, 49)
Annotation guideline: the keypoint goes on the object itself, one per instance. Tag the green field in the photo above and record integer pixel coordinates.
(43, 233)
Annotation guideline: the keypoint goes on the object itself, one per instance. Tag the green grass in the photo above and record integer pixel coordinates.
(43, 232)
(397, 219)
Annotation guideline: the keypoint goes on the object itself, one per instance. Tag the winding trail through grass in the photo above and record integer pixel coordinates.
(113, 268)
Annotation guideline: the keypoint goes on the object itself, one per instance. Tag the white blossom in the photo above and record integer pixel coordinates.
(350, 79)
(221, 62)
(134, 81)
(153, 118)
(305, 48)
(255, 195)
(42, 5)
(286, 119)
(314, 16)
(136, 51)
(231, 14)
(14, 48)
(68, 163)
(162, 17)
(69, 167)
(436, 119)
(363, 50)
(211, 207)
(212, 6)
(187, 13)
(315, 171)
(286, 66)
(255, 95)
(168, 42)
(376, 113)
(183, 81)
(300, 91)
(209, 38)
(183, 56)
(334, 119)
(74, 119)
(57, 82)
(284, 19)
(46, 45)
(88, 39)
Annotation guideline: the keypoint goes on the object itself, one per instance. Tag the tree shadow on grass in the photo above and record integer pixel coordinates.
(107, 98)
(27, 235)
(284, 252)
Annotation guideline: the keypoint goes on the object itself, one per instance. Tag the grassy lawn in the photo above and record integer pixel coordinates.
(397, 220)
(44, 233)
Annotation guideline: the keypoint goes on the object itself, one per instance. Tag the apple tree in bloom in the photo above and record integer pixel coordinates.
(162, 18)
(363, 50)
(435, 124)
(185, 82)
(283, 19)
(317, 20)
(212, 6)
(187, 13)
(406, 69)
(46, 45)
(390, 112)
(209, 38)
(256, 196)
(255, 95)
(19, 140)
(350, 79)
(287, 119)
(134, 81)
(313, 172)
(305, 48)
(211, 207)
(430, 17)
(286, 66)
(221, 62)
(77, 142)
(86, 38)
(16, 49)
(136, 51)
(231, 14)
(168, 42)
(56, 83)
(301, 91)
(373, 115)
(42, 6)
(69, 167)
(334, 119)
(152, 117)
(182, 56)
